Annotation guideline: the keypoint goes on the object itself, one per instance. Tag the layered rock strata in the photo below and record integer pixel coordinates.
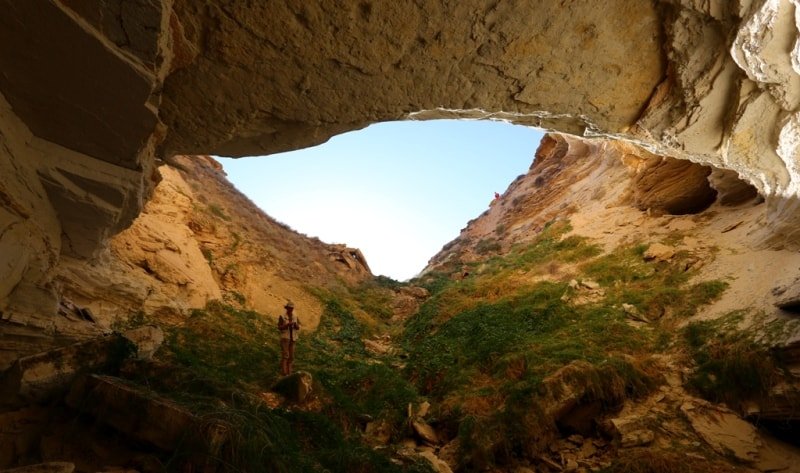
(94, 93)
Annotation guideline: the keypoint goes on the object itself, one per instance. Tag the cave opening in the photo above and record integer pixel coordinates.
(398, 191)
(786, 430)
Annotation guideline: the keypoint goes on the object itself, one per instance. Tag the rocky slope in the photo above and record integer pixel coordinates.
(198, 239)
(615, 194)
(708, 223)
(612, 310)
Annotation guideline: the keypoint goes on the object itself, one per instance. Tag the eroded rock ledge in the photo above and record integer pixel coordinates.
(93, 94)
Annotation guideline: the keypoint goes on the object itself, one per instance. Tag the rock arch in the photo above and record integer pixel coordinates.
(94, 94)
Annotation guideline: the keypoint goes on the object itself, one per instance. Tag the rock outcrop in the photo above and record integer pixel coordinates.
(88, 108)
(198, 239)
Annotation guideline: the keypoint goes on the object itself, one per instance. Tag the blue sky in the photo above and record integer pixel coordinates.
(398, 191)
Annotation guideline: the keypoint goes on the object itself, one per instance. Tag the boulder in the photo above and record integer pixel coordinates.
(629, 431)
(295, 388)
(146, 339)
(378, 432)
(723, 430)
(439, 466)
(633, 313)
(424, 432)
(450, 453)
(523, 469)
(37, 377)
(787, 297)
(589, 284)
(19, 433)
(423, 409)
(659, 252)
(131, 411)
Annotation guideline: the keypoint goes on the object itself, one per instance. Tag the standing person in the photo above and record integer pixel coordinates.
(289, 326)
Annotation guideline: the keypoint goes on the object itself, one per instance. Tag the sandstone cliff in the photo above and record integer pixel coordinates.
(94, 95)
(707, 81)
(198, 239)
(701, 225)
(617, 194)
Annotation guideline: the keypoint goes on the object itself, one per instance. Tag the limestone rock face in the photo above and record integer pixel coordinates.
(49, 467)
(198, 240)
(667, 185)
(38, 377)
(731, 190)
(318, 68)
(156, 421)
(93, 94)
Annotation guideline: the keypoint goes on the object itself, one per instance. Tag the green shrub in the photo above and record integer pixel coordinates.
(223, 357)
(731, 366)
(217, 211)
(487, 245)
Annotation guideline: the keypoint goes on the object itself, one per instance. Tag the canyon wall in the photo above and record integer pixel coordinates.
(93, 94)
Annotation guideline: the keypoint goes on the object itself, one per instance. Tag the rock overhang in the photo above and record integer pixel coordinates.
(125, 84)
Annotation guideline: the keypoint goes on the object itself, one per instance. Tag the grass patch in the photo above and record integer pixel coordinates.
(218, 362)
(486, 246)
(643, 460)
(217, 211)
(656, 289)
(208, 255)
(496, 347)
(359, 385)
(224, 346)
(731, 366)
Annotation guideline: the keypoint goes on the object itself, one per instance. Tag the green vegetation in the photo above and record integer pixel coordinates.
(216, 210)
(487, 245)
(359, 385)
(209, 256)
(491, 348)
(731, 366)
(237, 240)
(655, 289)
(644, 460)
(374, 296)
(222, 358)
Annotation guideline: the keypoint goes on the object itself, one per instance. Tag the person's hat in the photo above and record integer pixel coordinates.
(289, 305)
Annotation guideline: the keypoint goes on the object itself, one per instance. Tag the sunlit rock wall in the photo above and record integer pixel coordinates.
(103, 89)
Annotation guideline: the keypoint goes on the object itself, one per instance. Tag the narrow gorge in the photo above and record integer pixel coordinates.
(628, 305)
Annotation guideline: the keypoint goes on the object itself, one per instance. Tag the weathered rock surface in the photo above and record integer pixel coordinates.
(659, 252)
(714, 82)
(19, 433)
(198, 240)
(296, 387)
(708, 81)
(723, 430)
(407, 300)
(424, 432)
(787, 297)
(136, 414)
(731, 189)
(38, 377)
(437, 463)
(666, 185)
